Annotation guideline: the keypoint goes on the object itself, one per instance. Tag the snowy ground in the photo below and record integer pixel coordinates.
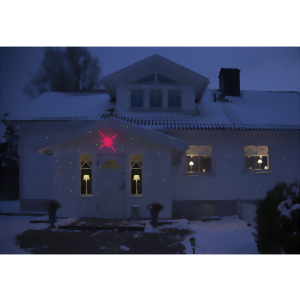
(227, 236)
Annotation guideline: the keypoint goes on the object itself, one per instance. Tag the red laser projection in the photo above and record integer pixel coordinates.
(107, 141)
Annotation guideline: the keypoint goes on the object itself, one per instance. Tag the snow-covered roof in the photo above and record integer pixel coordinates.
(253, 110)
(43, 145)
(52, 106)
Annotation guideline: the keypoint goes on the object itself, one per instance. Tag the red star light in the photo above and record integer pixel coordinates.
(107, 141)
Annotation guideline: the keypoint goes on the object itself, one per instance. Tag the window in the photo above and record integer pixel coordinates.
(155, 98)
(137, 98)
(136, 174)
(174, 98)
(86, 174)
(256, 157)
(199, 159)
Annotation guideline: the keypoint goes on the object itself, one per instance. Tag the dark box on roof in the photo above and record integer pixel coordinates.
(229, 82)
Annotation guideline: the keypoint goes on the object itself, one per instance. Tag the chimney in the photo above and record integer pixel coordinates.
(229, 82)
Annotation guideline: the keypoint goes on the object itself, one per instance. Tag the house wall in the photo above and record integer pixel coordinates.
(229, 181)
(57, 177)
(35, 173)
(123, 103)
(156, 172)
(247, 212)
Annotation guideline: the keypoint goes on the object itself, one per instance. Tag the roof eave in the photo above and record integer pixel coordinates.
(117, 124)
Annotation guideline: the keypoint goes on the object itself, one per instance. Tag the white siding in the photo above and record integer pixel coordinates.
(156, 174)
(230, 182)
(36, 168)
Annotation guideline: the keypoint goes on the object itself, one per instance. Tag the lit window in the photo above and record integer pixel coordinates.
(86, 174)
(136, 174)
(256, 157)
(137, 98)
(199, 158)
(174, 98)
(155, 98)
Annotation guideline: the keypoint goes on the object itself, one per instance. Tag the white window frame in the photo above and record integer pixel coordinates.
(199, 151)
(137, 89)
(258, 152)
(85, 161)
(131, 180)
(167, 100)
(162, 97)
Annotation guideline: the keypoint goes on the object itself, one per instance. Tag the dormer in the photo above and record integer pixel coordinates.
(155, 84)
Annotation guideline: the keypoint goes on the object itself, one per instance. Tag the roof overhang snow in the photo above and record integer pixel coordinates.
(152, 135)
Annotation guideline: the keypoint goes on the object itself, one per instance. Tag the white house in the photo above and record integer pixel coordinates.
(157, 134)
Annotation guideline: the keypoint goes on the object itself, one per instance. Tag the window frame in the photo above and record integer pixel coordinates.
(200, 164)
(130, 93)
(90, 156)
(147, 88)
(199, 153)
(174, 89)
(162, 98)
(257, 156)
(131, 175)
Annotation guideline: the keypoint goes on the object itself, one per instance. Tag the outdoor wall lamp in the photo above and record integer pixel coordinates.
(86, 178)
(136, 178)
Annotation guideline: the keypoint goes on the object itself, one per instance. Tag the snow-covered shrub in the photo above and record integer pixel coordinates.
(289, 221)
(270, 231)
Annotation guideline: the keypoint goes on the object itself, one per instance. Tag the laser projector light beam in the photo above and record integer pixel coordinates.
(107, 141)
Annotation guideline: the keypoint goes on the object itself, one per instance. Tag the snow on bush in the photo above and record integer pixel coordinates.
(283, 206)
(287, 213)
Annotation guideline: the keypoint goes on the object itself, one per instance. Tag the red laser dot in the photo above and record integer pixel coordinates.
(107, 141)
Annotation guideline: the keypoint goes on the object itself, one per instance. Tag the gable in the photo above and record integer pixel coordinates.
(155, 64)
(47, 143)
(155, 78)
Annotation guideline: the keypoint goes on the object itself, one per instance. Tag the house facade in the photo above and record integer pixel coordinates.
(156, 134)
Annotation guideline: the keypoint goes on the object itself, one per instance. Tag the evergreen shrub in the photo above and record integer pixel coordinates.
(273, 230)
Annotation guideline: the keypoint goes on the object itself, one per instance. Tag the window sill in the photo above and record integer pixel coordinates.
(86, 195)
(256, 171)
(155, 109)
(136, 196)
(202, 174)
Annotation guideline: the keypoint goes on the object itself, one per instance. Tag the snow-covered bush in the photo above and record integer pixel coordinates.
(289, 221)
(272, 229)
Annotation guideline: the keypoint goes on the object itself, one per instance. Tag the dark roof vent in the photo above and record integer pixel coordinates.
(229, 82)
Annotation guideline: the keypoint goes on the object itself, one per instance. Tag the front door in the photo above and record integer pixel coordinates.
(111, 184)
